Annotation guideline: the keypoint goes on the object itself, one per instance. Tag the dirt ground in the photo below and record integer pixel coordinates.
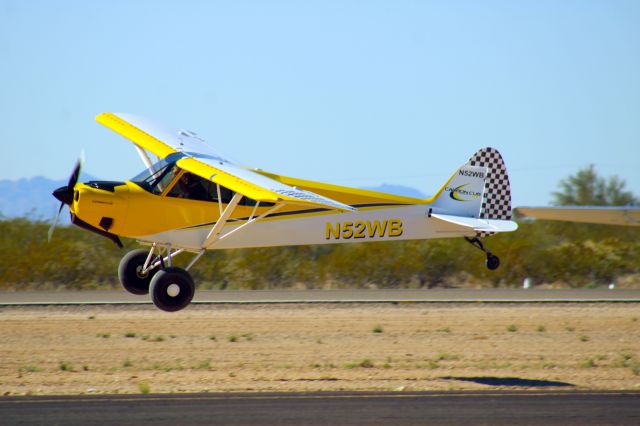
(409, 346)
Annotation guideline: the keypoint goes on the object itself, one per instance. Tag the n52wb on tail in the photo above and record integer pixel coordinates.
(190, 199)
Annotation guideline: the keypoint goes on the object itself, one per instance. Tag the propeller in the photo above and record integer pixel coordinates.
(65, 194)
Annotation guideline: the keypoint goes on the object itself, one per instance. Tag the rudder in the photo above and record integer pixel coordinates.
(496, 203)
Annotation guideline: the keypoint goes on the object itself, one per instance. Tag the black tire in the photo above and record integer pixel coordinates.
(172, 289)
(129, 272)
(493, 262)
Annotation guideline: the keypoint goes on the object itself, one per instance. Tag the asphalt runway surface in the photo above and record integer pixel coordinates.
(310, 409)
(508, 295)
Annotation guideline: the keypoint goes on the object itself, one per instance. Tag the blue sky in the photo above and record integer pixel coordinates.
(356, 93)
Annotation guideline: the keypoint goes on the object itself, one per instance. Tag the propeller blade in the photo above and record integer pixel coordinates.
(75, 175)
(54, 224)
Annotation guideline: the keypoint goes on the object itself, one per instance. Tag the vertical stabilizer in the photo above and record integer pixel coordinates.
(462, 195)
(479, 189)
(496, 203)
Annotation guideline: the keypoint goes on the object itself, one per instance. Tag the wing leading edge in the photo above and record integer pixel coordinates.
(202, 160)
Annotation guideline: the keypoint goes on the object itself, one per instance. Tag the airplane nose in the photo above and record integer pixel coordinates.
(64, 194)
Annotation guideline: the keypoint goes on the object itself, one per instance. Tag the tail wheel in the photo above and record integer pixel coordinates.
(493, 261)
(130, 272)
(172, 289)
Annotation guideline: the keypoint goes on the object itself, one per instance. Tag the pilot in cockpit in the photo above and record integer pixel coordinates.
(190, 187)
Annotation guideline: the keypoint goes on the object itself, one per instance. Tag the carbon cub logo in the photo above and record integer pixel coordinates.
(460, 194)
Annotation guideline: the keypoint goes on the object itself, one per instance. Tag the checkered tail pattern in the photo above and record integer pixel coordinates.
(496, 203)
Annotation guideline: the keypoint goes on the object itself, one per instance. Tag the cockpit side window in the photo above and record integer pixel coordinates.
(156, 179)
(193, 187)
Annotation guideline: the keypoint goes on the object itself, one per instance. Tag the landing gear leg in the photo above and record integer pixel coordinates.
(493, 261)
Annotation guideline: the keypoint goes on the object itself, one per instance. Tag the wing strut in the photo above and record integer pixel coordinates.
(252, 220)
(144, 157)
(214, 234)
(224, 217)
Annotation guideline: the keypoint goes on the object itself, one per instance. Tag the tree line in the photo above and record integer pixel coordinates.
(546, 252)
(569, 254)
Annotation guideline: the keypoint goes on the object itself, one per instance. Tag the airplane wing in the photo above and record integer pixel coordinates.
(478, 225)
(197, 157)
(626, 216)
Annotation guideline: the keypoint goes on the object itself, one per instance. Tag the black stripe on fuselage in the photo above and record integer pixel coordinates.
(296, 212)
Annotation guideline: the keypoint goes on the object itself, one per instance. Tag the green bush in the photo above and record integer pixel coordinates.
(546, 252)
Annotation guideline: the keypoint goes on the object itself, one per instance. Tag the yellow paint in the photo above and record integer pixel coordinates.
(229, 181)
(363, 229)
(395, 227)
(344, 194)
(137, 136)
(347, 230)
(377, 227)
(359, 229)
(332, 231)
(193, 165)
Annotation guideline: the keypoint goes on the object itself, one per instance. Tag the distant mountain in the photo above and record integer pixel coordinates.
(31, 198)
(397, 190)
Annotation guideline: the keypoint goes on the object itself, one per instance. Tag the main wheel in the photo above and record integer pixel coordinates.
(172, 289)
(130, 272)
(493, 261)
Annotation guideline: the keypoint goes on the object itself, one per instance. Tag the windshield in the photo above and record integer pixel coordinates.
(156, 179)
(190, 186)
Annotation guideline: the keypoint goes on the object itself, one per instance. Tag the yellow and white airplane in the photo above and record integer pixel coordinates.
(190, 199)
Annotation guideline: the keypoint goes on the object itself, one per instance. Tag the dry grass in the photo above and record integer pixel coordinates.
(63, 350)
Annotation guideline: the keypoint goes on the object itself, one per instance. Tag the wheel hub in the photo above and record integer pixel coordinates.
(140, 272)
(173, 290)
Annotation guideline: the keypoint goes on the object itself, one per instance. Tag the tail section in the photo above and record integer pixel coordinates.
(478, 189)
(485, 208)
(497, 200)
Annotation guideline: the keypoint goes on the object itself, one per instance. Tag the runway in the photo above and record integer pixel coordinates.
(503, 295)
(490, 407)
(310, 409)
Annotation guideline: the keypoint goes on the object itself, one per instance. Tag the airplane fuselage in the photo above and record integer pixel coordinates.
(381, 224)
(127, 210)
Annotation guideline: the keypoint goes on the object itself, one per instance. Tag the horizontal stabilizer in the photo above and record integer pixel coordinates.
(478, 225)
(618, 215)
